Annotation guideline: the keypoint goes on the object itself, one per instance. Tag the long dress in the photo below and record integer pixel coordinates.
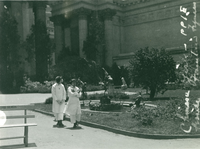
(73, 106)
(58, 93)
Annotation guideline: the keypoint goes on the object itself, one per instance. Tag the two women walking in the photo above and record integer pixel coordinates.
(73, 108)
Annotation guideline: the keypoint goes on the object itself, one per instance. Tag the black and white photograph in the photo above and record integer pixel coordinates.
(100, 74)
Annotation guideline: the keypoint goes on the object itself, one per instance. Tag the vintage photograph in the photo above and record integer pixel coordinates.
(100, 74)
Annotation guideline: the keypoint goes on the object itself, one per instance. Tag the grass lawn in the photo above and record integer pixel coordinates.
(125, 121)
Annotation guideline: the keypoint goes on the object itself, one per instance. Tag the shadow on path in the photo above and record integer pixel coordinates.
(71, 128)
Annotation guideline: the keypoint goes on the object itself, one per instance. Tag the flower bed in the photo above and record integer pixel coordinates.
(126, 120)
(36, 87)
(160, 120)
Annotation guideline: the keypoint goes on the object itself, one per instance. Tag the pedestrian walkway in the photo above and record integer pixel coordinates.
(47, 137)
(34, 97)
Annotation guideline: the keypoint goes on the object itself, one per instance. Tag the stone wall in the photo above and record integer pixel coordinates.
(156, 26)
(137, 24)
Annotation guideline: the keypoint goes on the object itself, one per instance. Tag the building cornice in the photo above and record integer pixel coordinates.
(171, 51)
(66, 6)
(155, 14)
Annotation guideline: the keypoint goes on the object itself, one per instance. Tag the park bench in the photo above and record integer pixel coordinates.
(15, 116)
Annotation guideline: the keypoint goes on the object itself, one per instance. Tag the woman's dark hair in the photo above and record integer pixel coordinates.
(72, 80)
(58, 79)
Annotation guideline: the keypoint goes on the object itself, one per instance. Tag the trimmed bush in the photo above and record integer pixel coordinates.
(104, 107)
(49, 100)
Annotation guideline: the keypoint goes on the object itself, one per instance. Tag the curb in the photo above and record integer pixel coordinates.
(127, 133)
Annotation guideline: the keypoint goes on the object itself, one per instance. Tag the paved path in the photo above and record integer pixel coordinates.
(28, 98)
(47, 137)
(23, 98)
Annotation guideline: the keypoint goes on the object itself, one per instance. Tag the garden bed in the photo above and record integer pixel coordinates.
(125, 120)
(162, 119)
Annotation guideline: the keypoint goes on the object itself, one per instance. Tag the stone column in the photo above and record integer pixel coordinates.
(31, 14)
(1, 7)
(40, 11)
(82, 33)
(108, 14)
(121, 35)
(82, 14)
(59, 41)
(25, 19)
(82, 22)
(1, 10)
(67, 33)
(16, 10)
(108, 41)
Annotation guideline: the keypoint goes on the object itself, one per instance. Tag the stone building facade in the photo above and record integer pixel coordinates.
(25, 13)
(129, 25)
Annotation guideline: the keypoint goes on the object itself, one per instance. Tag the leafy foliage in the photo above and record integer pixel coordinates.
(152, 68)
(95, 37)
(169, 111)
(39, 47)
(145, 116)
(70, 66)
(36, 87)
(9, 48)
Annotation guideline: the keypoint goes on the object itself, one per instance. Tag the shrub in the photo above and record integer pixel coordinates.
(152, 69)
(94, 96)
(75, 67)
(144, 115)
(36, 87)
(105, 99)
(104, 107)
(49, 100)
(168, 111)
(123, 96)
(90, 87)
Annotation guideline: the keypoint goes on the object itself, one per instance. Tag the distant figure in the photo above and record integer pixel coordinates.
(59, 97)
(73, 106)
(124, 85)
(138, 100)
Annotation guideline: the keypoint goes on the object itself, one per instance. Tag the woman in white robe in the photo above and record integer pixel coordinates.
(73, 108)
(59, 97)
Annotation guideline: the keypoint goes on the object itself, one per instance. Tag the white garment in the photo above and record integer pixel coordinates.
(73, 105)
(74, 118)
(58, 94)
(58, 116)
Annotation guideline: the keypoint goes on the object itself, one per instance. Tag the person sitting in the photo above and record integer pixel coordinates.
(138, 101)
